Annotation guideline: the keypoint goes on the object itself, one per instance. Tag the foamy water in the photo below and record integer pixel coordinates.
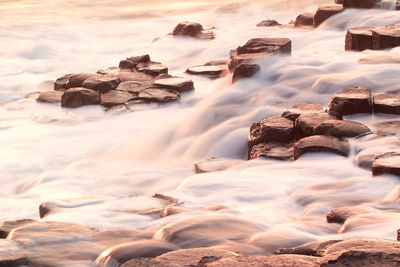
(89, 162)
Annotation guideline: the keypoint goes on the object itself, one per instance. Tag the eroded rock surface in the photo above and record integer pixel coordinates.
(386, 163)
(320, 143)
(342, 128)
(325, 12)
(387, 103)
(192, 29)
(350, 101)
(77, 97)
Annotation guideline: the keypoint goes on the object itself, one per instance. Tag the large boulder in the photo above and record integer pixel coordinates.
(360, 3)
(77, 97)
(306, 123)
(304, 19)
(386, 36)
(350, 101)
(359, 38)
(387, 103)
(325, 12)
(76, 80)
(321, 143)
(342, 128)
(386, 163)
(102, 83)
(61, 83)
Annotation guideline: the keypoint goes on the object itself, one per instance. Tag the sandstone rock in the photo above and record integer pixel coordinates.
(176, 83)
(50, 97)
(360, 3)
(134, 76)
(341, 214)
(188, 29)
(320, 143)
(115, 97)
(126, 64)
(152, 68)
(139, 59)
(134, 87)
(305, 124)
(359, 38)
(304, 19)
(294, 112)
(342, 128)
(102, 83)
(350, 101)
(213, 69)
(314, 248)
(159, 95)
(388, 128)
(386, 163)
(271, 260)
(325, 12)
(386, 36)
(7, 226)
(77, 97)
(276, 151)
(149, 262)
(61, 83)
(268, 23)
(387, 103)
(245, 71)
(214, 164)
(76, 80)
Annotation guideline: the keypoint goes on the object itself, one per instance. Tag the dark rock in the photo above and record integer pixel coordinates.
(359, 38)
(115, 97)
(76, 80)
(188, 29)
(304, 19)
(276, 151)
(139, 59)
(340, 215)
(61, 83)
(387, 103)
(270, 260)
(152, 68)
(126, 64)
(350, 101)
(342, 128)
(340, 2)
(360, 3)
(50, 97)
(167, 199)
(268, 23)
(11, 255)
(102, 83)
(149, 262)
(386, 163)
(159, 95)
(214, 69)
(134, 87)
(386, 36)
(320, 143)
(135, 76)
(305, 124)
(397, 5)
(388, 128)
(325, 12)
(314, 248)
(245, 71)
(46, 208)
(176, 83)
(77, 97)
(294, 112)
(7, 226)
(214, 165)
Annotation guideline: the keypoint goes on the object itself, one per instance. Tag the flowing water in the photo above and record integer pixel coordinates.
(100, 167)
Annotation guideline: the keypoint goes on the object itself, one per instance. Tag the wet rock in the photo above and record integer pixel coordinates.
(11, 255)
(314, 248)
(213, 69)
(276, 151)
(113, 237)
(341, 214)
(46, 208)
(268, 23)
(360, 3)
(176, 83)
(102, 83)
(168, 211)
(7, 226)
(342, 128)
(306, 123)
(397, 5)
(50, 97)
(33, 95)
(134, 87)
(139, 59)
(270, 260)
(386, 36)
(245, 71)
(149, 262)
(358, 38)
(304, 19)
(339, 2)
(214, 164)
(126, 64)
(134, 75)
(169, 200)
(152, 68)
(388, 128)
(320, 143)
(76, 80)
(350, 101)
(325, 12)
(77, 97)
(192, 29)
(158, 95)
(386, 163)
(387, 103)
(115, 97)
(294, 112)
(61, 83)
(272, 129)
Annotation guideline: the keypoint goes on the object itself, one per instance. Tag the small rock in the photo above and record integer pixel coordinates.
(358, 38)
(214, 165)
(265, 45)
(7, 226)
(115, 97)
(159, 95)
(320, 143)
(76, 80)
(139, 59)
(276, 151)
(126, 64)
(245, 71)
(214, 69)
(305, 124)
(46, 208)
(340, 215)
(134, 87)
(176, 83)
(152, 68)
(77, 97)
(325, 12)
(360, 3)
(304, 19)
(102, 83)
(387, 103)
(388, 128)
(386, 36)
(50, 96)
(386, 163)
(135, 76)
(350, 101)
(61, 83)
(268, 23)
(294, 112)
(342, 128)
(188, 29)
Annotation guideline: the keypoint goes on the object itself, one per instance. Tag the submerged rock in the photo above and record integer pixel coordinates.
(77, 97)
(11, 255)
(387, 103)
(159, 95)
(7, 226)
(268, 23)
(270, 260)
(306, 123)
(388, 128)
(351, 100)
(245, 71)
(386, 163)
(359, 38)
(276, 151)
(342, 128)
(341, 214)
(213, 69)
(50, 97)
(320, 143)
(295, 111)
(325, 12)
(192, 29)
(304, 19)
(115, 97)
(214, 164)
(176, 83)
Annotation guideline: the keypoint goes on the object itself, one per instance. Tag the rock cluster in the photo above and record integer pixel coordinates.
(192, 29)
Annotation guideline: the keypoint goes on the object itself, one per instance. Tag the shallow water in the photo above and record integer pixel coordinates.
(99, 168)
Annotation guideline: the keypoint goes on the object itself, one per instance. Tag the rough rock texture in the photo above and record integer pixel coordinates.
(359, 38)
(176, 83)
(134, 87)
(213, 69)
(149, 262)
(77, 97)
(263, 261)
(387, 103)
(388, 128)
(276, 151)
(214, 164)
(50, 97)
(350, 101)
(325, 12)
(294, 112)
(386, 36)
(304, 19)
(314, 248)
(139, 59)
(192, 29)
(115, 97)
(7, 226)
(152, 68)
(360, 3)
(305, 124)
(342, 128)
(245, 71)
(268, 23)
(386, 163)
(61, 83)
(102, 83)
(159, 95)
(320, 143)
(76, 80)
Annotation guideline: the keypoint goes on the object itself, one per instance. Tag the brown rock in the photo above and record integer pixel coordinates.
(268, 23)
(152, 68)
(294, 112)
(115, 97)
(7, 226)
(387, 163)
(134, 87)
(388, 128)
(360, 3)
(320, 143)
(340, 2)
(126, 64)
(139, 59)
(387, 103)
(176, 83)
(304, 19)
(386, 36)
(76, 80)
(342, 128)
(276, 151)
(341, 214)
(305, 124)
(50, 97)
(213, 69)
(263, 261)
(325, 12)
(314, 248)
(245, 71)
(397, 5)
(350, 101)
(77, 97)
(102, 83)
(61, 83)
(214, 165)
(46, 208)
(135, 76)
(359, 38)
(11, 255)
(158, 95)
(149, 262)
(266, 45)
(188, 29)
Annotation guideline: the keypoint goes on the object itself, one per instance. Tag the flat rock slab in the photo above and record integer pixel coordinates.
(76, 80)
(77, 97)
(295, 111)
(351, 100)
(176, 83)
(213, 69)
(152, 68)
(245, 71)
(50, 97)
(61, 83)
(266, 45)
(388, 128)
(115, 97)
(192, 29)
(386, 36)
(304, 19)
(268, 23)
(325, 12)
(387, 163)
(214, 164)
(134, 87)
(102, 83)
(276, 151)
(360, 3)
(305, 124)
(7, 226)
(131, 62)
(387, 103)
(134, 76)
(359, 38)
(159, 95)
(321, 143)
(342, 128)
(270, 260)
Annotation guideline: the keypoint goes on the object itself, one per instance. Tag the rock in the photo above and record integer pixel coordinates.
(77, 97)
(139, 59)
(272, 129)
(350, 101)
(7, 226)
(76, 80)
(33, 95)
(61, 83)
(276, 151)
(152, 68)
(46, 208)
(126, 64)
(270, 260)
(169, 200)
(294, 112)
(134, 76)
(268, 23)
(168, 211)
(214, 164)
(386, 163)
(188, 29)
(397, 5)
(176, 83)
(305, 124)
(342, 128)
(102, 83)
(386, 36)
(380, 59)
(245, 71)
(387, 103)
(134, 87)
(11, 255)
(213, 69)
(149, 262)
(158, 95)
(304, 19)
(360, 3)
(115, 97)
(341, 214)
(113, 237)
(50, 97)
(359, 38)
(325, 12)
(340, 2)
(320, 143)
(388, 128)
(314, 248)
